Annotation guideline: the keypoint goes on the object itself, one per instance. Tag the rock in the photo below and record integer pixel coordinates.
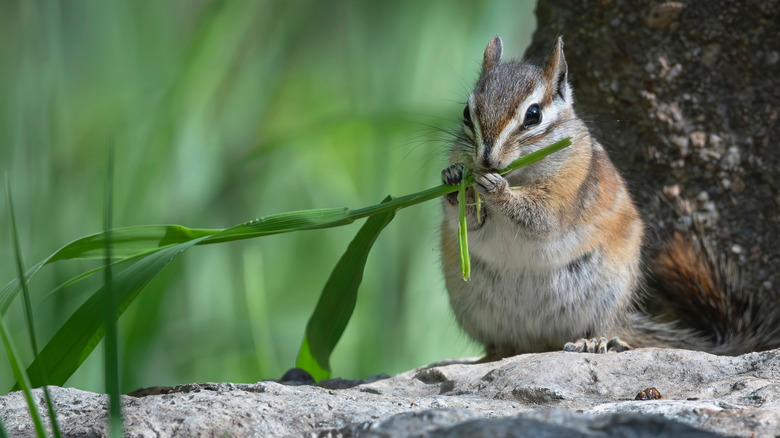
(548, 394)
(665, 16)
(730, 159)
(671, 192)
(698, 139)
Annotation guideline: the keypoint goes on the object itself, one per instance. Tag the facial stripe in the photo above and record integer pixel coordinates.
(477, 128)
(511, 127)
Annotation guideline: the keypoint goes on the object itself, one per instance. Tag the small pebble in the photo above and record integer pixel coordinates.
(730, 159)
(648, 394)
(737, 185)
(698, 139)
(715, 141)
(736, 249)
(671, 192)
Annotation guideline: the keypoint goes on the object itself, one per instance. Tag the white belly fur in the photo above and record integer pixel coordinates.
(522, 293)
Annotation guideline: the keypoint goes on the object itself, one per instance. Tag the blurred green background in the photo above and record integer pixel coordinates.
(222, 112)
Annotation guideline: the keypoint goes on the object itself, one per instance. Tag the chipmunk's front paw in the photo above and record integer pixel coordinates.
(453, 174)
(490, 183)
(598, 346)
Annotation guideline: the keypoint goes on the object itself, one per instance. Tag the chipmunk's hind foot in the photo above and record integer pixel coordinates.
(598, 346)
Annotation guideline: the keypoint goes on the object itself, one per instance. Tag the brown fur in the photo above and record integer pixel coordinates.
(697, 288)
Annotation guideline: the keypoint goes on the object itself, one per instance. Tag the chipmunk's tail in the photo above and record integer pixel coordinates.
(704, 293)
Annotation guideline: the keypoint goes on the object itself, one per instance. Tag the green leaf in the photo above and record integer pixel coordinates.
(81, 333)
(133, 241)
(129, 241)
(86, 274)
(286, 222)
(126, 242)
(338, 298)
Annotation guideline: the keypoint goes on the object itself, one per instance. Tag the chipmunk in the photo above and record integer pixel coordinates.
(556, 246)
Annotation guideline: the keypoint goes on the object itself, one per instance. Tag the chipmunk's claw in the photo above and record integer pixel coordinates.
(453, 174)
(617, 345)
(489, 183)
(598, 346)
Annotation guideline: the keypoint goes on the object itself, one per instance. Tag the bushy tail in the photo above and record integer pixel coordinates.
(704, 293)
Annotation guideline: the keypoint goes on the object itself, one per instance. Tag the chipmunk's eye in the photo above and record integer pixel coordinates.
(533, 116)
(467, 118)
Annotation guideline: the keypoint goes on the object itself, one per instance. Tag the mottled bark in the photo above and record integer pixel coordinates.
(686, 98)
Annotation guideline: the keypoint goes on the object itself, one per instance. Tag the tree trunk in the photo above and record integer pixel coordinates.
(686, 98)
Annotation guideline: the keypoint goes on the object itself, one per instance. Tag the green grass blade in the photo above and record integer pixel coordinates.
(20, 268)
(111, 343)
(133, 241)
(338, 298)
(463, 240)
(284, 223)
(3, 431)
(126, 242)
(27, 301)
(121, 263)
(55, 426)
(12, 289)
(76, 339)
(533, 157)
(81, 333)
(22, 380)
(334, 217)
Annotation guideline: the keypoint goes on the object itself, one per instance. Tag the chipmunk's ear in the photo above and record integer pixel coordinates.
(493, 53)
(556, 72)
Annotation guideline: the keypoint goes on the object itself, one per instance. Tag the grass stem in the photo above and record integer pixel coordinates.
(28, 302)
(110, 342)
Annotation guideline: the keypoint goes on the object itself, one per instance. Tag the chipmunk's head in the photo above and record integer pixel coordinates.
(516, 107)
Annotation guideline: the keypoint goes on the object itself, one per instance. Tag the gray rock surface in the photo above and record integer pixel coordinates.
(550, 394)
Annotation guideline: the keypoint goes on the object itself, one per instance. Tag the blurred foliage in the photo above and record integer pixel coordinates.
(225, 111)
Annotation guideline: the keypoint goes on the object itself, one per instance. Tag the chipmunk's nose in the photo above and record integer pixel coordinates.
(487, 161)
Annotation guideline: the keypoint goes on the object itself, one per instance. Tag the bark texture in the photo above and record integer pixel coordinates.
(686, 98)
